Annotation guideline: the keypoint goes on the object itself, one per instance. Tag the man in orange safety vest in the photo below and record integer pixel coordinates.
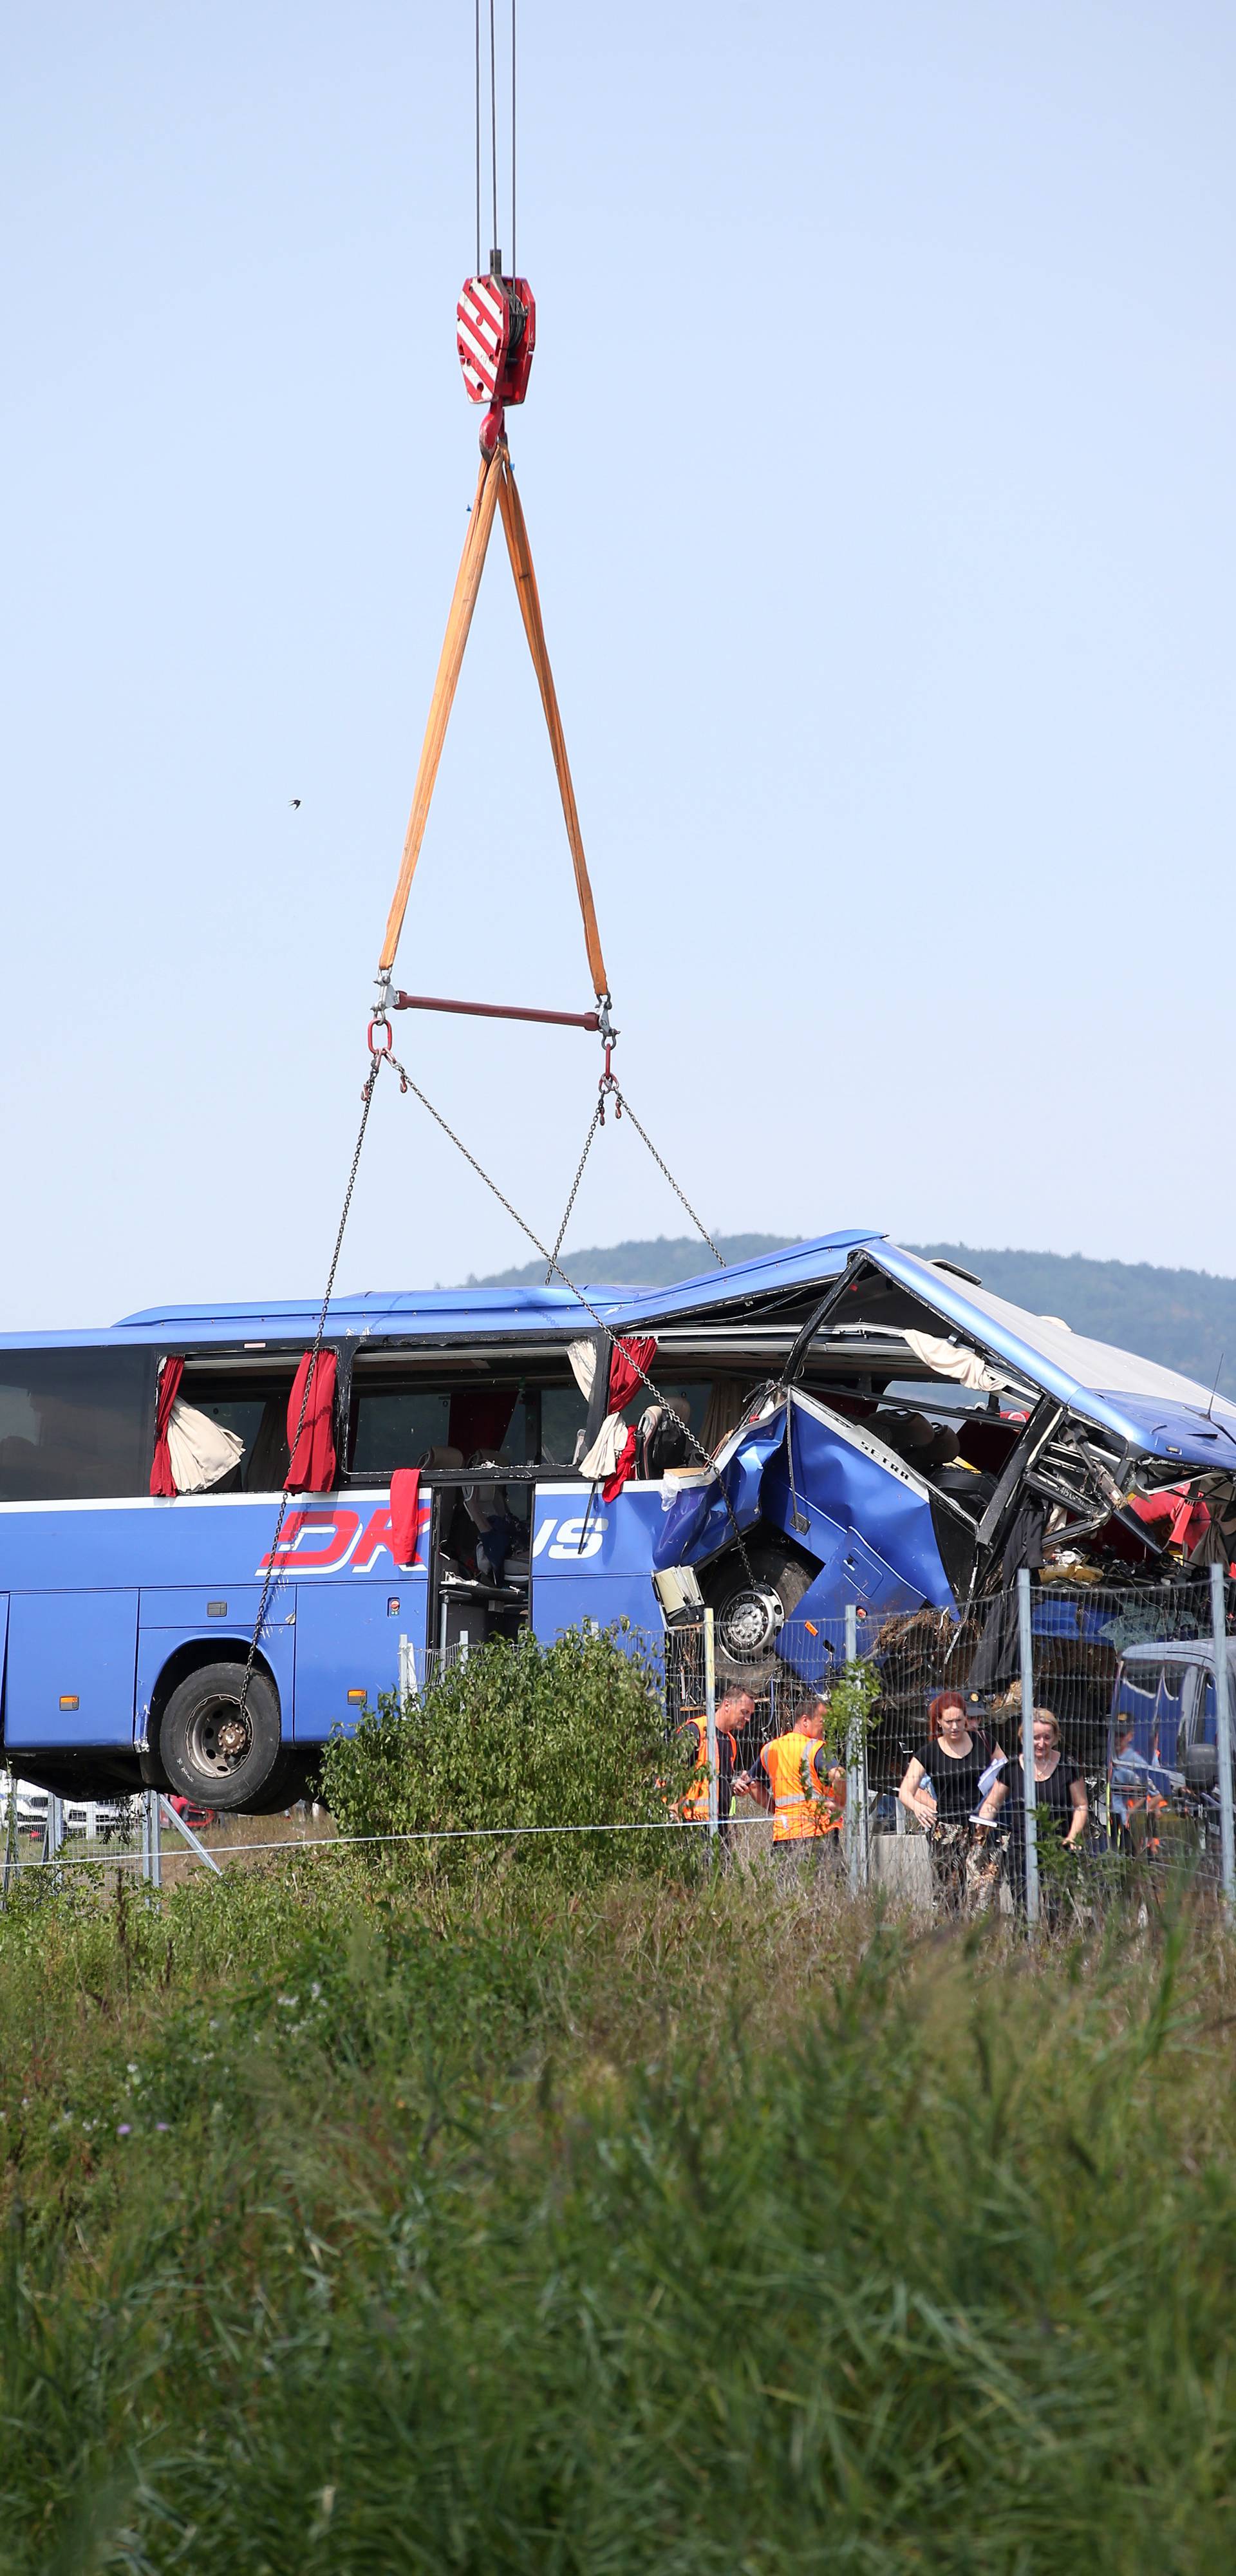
(798, 1784)
(734, 1712)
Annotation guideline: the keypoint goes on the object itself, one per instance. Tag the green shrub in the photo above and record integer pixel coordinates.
(523, 1737)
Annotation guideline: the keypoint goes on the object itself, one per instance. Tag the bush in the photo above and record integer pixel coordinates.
(521, 1736)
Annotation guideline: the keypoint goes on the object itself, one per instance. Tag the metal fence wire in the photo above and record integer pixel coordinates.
(1075, 1696)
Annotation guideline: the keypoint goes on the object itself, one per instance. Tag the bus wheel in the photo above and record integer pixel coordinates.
(751, 1602)
(209, 1751)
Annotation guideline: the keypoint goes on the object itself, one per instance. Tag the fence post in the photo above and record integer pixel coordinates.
(53, 1830)
(1223, 1733)
(152, 1849)
(10, 1833)
(857, 1853)
(1029, 1786)
(187, 1835)
(710, 1713)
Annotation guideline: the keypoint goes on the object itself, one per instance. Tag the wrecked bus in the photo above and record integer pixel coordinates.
(840, 1423)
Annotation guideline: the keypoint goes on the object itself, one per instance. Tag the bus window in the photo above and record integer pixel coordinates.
(1134, 1703)
(1206, 1729)
(256, 1409)
(564, 1413)
(1168, 1707)
(75, 1424)
(399, 1426)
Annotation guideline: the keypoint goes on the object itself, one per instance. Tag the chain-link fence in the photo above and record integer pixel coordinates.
(1063, 1748)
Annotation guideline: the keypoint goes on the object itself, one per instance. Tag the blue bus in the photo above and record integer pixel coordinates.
(842, 1422)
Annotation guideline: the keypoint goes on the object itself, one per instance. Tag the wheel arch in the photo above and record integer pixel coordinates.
(191, 1656)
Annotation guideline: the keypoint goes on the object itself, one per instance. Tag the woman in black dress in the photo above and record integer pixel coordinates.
(940, 1790)
(1062, 1805)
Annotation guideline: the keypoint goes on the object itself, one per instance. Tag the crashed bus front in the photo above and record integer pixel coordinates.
(914, 1441)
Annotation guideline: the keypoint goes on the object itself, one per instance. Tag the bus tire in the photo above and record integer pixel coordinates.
(750, 1603)
(194, 1747)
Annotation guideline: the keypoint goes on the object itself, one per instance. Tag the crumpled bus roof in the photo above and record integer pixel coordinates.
(1150, 1407)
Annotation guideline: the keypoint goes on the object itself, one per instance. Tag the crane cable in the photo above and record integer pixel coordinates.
(406, 1084)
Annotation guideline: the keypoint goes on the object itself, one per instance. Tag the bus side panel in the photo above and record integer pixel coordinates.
(593, 1560)
(75, 1646)
(172, 1618)
(347, 1642)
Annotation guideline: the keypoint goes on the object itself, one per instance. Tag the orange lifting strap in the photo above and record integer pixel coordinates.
(496, 487)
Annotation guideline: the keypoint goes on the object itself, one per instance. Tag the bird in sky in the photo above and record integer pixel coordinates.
(294, 802)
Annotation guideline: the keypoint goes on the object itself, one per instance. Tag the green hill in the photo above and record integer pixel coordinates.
(1184, 1318)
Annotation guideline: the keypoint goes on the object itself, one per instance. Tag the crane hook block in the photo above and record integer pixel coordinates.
(495, 334)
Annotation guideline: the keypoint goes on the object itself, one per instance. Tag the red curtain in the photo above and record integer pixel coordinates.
(170, 1375)
(405, 1505)
(624, 1467)
(312, 1470)
(480, 1420)
(626, 1360)
(1189, 1520)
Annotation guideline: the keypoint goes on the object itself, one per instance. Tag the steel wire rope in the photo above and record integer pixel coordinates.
(623, 1103)
(574, 1191)
(478, 136)
(314, 1356)
(493, 122)
(423, 1834)
(406, 1083)
(514, 260)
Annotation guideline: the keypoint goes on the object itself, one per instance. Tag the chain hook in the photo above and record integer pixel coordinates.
(609, 1040)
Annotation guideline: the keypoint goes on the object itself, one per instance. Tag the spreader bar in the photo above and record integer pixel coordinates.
(496, 1011)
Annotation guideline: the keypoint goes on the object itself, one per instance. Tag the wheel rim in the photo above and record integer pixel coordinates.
(749, 1623)
(218, 1738)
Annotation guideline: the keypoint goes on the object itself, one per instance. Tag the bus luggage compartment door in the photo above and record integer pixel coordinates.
(71, 1670)
(347, 1648)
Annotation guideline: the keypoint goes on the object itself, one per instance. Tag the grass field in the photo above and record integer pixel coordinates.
(358, 2222)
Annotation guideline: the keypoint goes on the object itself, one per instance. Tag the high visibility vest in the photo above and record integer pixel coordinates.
(797, 1817)
(694, 1807)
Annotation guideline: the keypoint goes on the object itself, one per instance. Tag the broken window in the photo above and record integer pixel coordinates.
(253, 1406)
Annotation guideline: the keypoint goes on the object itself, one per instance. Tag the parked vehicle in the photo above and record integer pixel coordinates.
(99, 1820)
(843, 1421)
(1166, 1693)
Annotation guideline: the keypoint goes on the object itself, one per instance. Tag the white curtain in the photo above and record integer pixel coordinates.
(201, 1451)
(583, 1359)
(601, 1460)
(953, 1359)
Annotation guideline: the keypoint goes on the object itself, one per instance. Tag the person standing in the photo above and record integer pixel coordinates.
(734, 1712)
(1062, 1805)
(798, 1783)
(941, 1791)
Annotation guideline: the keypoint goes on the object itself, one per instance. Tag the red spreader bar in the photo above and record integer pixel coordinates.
(496, 1011)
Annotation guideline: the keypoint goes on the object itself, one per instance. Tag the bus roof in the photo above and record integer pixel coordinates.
(454, 1313)
(463, 1313)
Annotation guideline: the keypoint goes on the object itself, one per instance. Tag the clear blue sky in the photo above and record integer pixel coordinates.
(878, 464)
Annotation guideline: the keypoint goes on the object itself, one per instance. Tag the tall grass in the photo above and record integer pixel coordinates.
(355, 2224)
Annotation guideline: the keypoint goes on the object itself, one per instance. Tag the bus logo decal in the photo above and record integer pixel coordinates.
(324, 1542)
(330, 1538)
(579, 1537)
